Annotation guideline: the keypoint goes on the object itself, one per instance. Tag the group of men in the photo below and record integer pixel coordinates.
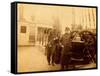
(58, 49)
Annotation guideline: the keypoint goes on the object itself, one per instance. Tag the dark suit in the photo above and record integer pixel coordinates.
(66, 51)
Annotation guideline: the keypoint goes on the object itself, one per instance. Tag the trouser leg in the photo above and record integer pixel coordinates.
(62, 67)
(53, 59)
(48, 59)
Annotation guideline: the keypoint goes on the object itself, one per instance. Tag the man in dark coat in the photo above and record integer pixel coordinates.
(56, 50)
(66, 50)
(53, 48)
(50, 48)
(48, 52)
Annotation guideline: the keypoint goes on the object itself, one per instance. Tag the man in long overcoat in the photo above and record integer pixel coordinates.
(66, 50)
(50, 48)
(53, 48)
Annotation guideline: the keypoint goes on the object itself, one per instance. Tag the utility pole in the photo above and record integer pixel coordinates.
(89, 16)
(83, 21)
(86, 19)
(93, 18)
(73, 18)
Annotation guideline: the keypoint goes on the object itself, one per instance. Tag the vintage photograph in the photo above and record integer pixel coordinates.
(56, 38)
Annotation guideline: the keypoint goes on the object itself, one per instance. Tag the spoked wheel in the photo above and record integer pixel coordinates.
(89, 50)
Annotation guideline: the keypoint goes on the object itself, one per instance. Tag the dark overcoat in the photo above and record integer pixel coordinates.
(66, 50)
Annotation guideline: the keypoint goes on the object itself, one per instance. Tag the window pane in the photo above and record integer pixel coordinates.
(23, 29)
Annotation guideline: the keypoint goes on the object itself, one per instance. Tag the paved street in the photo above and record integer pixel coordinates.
(32, 58)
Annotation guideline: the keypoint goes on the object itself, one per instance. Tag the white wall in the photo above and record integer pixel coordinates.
(23, 38)
(5, 38)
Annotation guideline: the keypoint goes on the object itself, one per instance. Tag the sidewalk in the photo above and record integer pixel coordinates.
(33, 59)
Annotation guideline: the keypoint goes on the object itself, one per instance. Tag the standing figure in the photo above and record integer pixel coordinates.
(53, 48)
(66, 50)
(48, 52)
(51, 51)
(57, 50)
(50, 48)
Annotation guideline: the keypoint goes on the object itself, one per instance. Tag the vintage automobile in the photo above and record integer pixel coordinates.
(83, 48)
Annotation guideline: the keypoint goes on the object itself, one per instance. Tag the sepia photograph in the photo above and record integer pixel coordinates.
(56, 37)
